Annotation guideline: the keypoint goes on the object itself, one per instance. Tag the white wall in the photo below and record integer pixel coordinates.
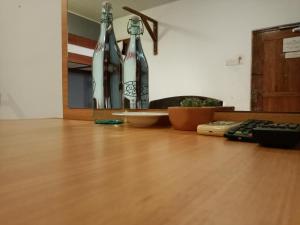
(30, 59)
(196, 37)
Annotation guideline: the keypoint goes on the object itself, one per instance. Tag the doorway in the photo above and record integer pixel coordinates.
(275, 79)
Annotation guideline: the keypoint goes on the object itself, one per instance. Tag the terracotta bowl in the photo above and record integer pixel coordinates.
(188, 118)
(142, 119)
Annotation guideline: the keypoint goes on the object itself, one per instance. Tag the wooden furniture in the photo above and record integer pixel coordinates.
(83, 42)
(241, 116)
(275, 76)
(75, 172)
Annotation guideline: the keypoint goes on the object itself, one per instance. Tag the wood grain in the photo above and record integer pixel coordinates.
(76, 173)
(275, 79)
(80, 59)
(81, 41)
(241, 116)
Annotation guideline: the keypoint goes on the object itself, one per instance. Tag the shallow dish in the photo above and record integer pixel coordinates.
(141, 119)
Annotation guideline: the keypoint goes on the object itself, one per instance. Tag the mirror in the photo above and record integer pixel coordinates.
(206, 49)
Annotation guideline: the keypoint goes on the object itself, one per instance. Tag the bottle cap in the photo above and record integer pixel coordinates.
(106, 13)
(106, 5)
(135, 26)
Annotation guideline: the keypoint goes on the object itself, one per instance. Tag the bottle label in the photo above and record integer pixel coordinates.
(130, 89)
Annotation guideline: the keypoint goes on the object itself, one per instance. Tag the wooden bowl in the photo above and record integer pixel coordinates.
(188, 118)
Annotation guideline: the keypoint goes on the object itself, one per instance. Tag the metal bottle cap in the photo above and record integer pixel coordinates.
(135, 26)
(106, 12)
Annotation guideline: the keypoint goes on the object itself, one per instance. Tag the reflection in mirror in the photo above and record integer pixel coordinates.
(136, 71)
(197, 59)
(107, 65)
(275, 70)
(80, 90)
(80, 58)
(80, 52)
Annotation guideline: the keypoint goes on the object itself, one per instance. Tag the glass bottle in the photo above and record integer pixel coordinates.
(107, 65)
(136, 75)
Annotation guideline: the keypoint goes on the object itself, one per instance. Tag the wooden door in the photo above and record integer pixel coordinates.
(275, 73)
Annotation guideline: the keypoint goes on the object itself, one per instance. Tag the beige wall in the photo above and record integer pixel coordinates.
(30, 59)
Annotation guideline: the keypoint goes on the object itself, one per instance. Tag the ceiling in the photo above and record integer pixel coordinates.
(91, 8)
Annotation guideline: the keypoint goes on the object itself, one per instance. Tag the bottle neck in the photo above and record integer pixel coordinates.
(106, 18)
(132, 41)
(102, 35)
(135, 37)
(105, 26)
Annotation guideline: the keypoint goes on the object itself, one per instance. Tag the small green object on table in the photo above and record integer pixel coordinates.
(111, 122)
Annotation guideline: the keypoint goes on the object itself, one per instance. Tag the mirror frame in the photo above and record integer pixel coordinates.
(90, 114)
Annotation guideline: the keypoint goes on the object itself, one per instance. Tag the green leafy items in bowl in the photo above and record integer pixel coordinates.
(196, 102)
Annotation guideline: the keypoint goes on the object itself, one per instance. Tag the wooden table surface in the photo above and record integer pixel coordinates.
(60, 172)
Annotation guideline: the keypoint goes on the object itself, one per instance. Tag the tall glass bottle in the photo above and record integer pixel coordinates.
(136, 75)
(107, 65)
